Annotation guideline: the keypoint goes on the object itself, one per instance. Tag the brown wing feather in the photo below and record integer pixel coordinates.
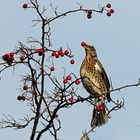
(106, 80)
(104, 76)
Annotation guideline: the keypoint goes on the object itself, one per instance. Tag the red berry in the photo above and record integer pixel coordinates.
(68, 77)
(97, 108)
(25, 5)
(60, 51)
(102, 107)
(83, 44)
(19, 98)
(71, 99)
(23, 98)
(54, 53)
(108, 5)
(40, 50)
(52, 68)
(66, 52)
(7, 55)
(62, 54)
(77, 82)
(89, 12)
(57, 55)
(4, 57)
(65, 81)
(11, 58)
(37, 51)
(112, 11)
(89, 16)
(108, 13)
(12, 54)
(72, 61)
(22, 58)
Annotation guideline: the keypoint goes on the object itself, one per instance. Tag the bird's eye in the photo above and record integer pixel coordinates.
(92, 48)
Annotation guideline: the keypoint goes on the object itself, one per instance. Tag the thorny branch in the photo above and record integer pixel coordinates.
(9, 122)
(126, 86)
(72, 11)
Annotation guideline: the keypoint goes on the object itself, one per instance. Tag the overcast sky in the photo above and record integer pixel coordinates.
(117, 41)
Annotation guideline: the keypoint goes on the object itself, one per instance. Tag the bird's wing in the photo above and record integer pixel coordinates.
(104, 76)
(106, 80)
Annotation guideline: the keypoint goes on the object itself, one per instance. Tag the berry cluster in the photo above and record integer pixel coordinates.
(100, 108)
(77, 82)
(40, 51)
(68, 78)
(109, 11)
(8, 58)
(65, 81)
(61, 53)
(89, 14)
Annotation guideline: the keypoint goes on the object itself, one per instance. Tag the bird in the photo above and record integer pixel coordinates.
(96, 83)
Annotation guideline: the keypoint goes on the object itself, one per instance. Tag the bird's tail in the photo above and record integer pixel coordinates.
(99, 116)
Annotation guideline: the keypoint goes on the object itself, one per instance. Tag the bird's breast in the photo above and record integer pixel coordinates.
(92, 79)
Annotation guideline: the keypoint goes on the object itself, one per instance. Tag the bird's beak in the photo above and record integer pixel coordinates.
(86, 47)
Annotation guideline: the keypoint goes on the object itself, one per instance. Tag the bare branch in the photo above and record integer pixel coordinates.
(10, 122)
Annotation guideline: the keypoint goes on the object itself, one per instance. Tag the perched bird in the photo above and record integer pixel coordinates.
(95, 81)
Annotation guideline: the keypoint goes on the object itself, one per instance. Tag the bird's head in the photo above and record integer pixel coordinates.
(90, 50)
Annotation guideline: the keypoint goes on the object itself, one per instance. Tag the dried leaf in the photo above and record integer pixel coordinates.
(85, 136)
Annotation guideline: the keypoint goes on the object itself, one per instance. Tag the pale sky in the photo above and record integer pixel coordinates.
(117, 41)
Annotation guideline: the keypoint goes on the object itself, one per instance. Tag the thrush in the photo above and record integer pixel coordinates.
(96, 82)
